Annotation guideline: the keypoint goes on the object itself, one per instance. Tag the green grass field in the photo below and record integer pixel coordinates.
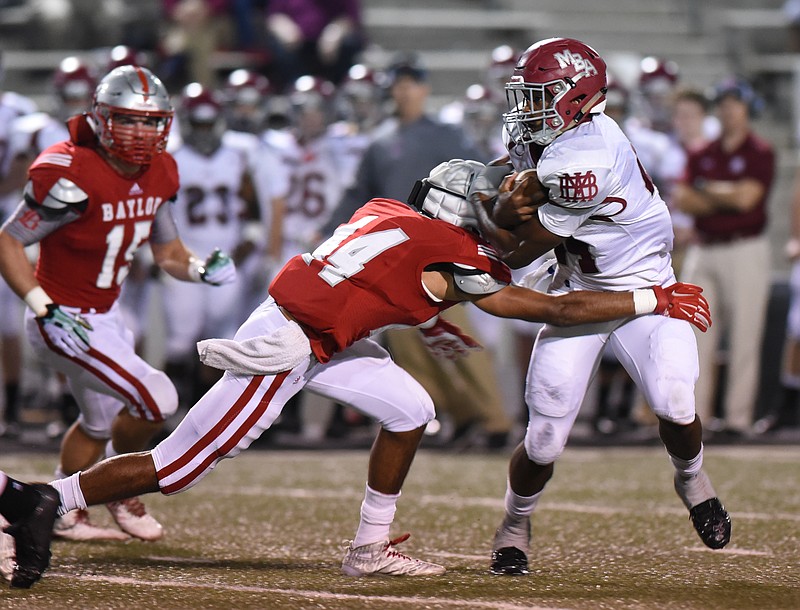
(265, 530)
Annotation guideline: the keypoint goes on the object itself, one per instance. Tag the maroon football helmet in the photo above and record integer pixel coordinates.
(556, 84)
(246, 95)
(122, 55)
(202, 121)
(658, 75)
(74, 82)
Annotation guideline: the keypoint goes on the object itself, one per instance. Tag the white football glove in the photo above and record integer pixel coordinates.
(446, 340)
(66, 331)
(218, 269)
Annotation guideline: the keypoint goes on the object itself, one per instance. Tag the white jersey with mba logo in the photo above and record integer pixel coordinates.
(617, 229)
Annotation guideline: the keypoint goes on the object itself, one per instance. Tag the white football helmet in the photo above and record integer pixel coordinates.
(443, 194)
(132, 114)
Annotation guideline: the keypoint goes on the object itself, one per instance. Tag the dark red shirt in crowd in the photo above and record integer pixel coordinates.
(754, 159)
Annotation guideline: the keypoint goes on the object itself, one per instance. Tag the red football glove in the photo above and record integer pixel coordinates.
(684, 302)
(446, 340)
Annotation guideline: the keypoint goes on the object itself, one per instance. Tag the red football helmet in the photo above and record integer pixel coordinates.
(202, 120)
(246, 94)
(658, 75)
(311, 100)
(132, 114)
(122, 55)
(502, 63)
(556, 84)
(74, 82)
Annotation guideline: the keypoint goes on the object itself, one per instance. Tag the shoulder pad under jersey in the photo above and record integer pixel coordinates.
(474, 281)
(63, 196)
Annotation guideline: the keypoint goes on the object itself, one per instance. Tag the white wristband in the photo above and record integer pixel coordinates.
(644, 301)
(195, 269)
(38, 300)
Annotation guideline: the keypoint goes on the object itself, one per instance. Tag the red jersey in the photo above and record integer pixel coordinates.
(368, 276)
(753, 159)
(83, 263)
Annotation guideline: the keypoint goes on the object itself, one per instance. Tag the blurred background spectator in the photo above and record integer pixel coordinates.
(316, 37)
(196, 28)
(726, 189)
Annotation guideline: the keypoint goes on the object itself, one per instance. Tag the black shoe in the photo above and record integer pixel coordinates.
(32, 536)
(509, 561)
(712, 522)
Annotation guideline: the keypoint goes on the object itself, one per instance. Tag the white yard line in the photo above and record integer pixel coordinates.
(413, 602)
(487, 502)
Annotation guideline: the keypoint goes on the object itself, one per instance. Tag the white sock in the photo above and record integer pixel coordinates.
(71, 494)
(688, 468)
(519, 509)
(691, 481)
(377, 515)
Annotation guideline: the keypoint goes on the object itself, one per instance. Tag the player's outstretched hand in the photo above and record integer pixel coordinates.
(446, 340)
(684, 302)
(68, 332)
(218, 269)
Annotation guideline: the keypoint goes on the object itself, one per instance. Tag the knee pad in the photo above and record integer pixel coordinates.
(99, 428)
(678, 407)
(417, 410)
(162, 392)
(545, 438)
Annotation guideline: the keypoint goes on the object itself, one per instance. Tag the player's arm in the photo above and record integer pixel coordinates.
(172, 255)
(510, 220)
(682, 301)
(709, 197)
(15, 268)
(31, 222)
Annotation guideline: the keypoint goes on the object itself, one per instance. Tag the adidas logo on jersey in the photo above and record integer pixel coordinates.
(135, 189)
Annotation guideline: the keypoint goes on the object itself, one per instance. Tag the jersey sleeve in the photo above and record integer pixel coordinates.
(474, 281)
(28, 226)
(164, 228)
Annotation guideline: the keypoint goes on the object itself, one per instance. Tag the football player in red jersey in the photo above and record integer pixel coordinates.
(91, 202)
(390, 265)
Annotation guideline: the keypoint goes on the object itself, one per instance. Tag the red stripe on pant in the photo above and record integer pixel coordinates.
(218, 429)
(140, 409)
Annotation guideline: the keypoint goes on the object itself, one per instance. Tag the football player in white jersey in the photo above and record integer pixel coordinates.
(599, 209)
(211, 212)
(247, 99)
(317, 180)
(13, 164)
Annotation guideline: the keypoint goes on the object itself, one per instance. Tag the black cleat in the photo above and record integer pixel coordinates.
(712, 522)
(509, 561)
(32, 536)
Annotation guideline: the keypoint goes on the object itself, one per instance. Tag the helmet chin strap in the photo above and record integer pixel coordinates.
(587, 107)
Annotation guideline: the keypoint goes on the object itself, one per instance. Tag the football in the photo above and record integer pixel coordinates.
(529, 183)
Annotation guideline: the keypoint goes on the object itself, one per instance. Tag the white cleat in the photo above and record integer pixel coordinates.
(132, 517)
(382, 558)
(75, 525)
(7, 551)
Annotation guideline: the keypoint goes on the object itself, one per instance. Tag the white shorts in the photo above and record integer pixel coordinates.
(110, 376)
(239, 408)
(659, 353)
